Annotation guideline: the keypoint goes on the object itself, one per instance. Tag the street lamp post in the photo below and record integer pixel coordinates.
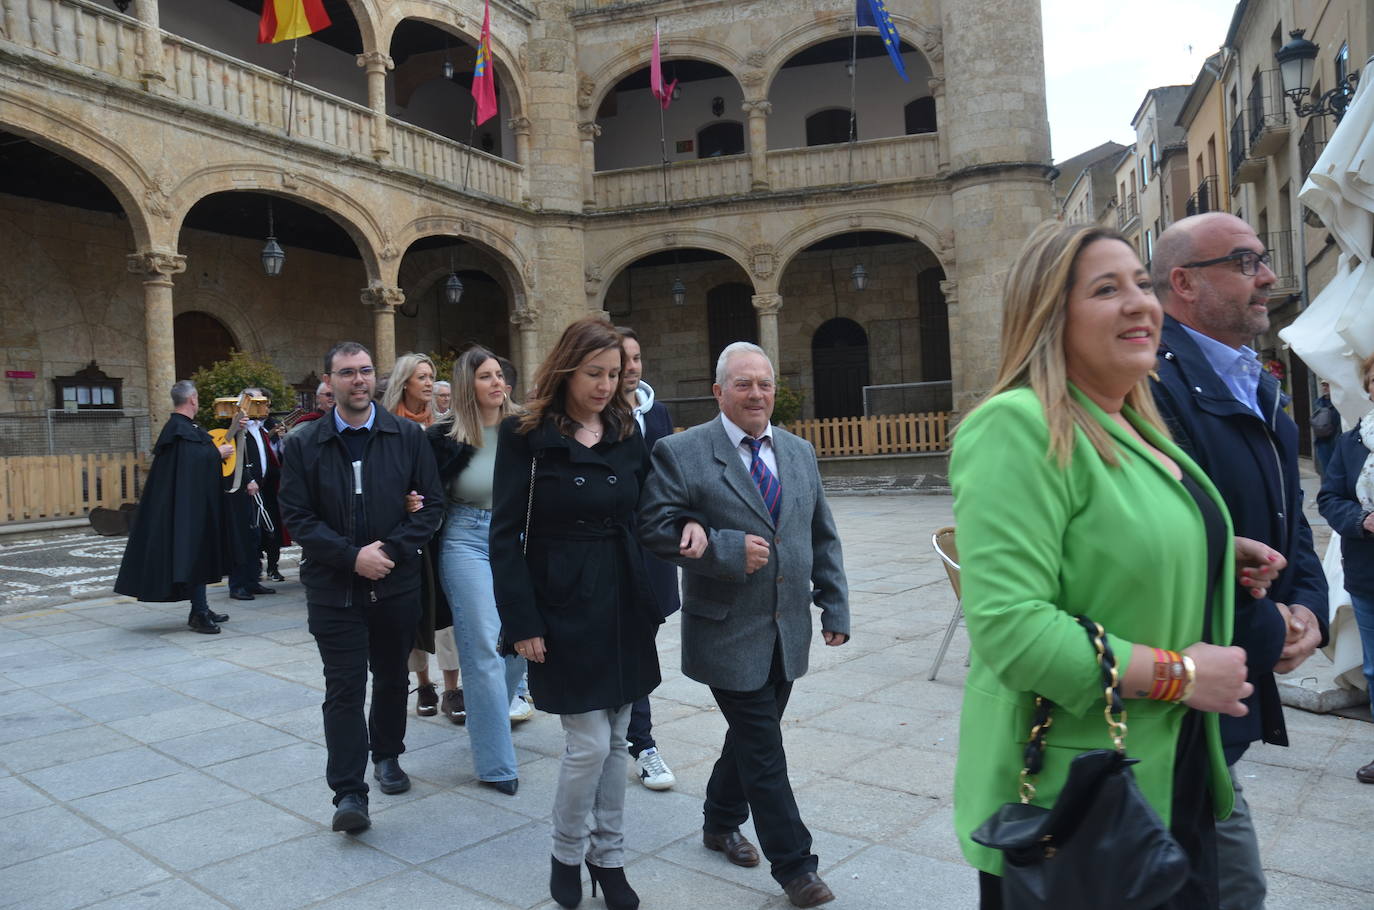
(1296, 60)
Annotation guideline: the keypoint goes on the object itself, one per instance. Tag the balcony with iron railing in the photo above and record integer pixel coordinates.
(1206, 198)
(91, 38)
(1310, 144)
(1267, 110)
(867, 161)
(1245, 168)
(1127, 212)
(1282, 263)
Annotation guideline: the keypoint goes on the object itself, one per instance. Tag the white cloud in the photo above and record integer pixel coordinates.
(1101, 57)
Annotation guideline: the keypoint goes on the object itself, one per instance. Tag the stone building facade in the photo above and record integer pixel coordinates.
(148, 148)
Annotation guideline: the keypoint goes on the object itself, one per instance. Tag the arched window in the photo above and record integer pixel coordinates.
(829, 126)
(724, 138)
(920, 116)
(839, 365)
(729, 318)
(199, 340)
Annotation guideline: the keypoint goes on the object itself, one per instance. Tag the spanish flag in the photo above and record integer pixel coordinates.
(283, 20)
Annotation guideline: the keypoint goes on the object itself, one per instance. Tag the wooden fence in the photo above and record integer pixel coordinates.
(890, 434)
(66, 486)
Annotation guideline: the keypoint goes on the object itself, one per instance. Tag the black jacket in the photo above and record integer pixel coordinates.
(1254, 464)
(582, 585)
(1342, 510)
(317, 504)
(662, 574)
(178, 539)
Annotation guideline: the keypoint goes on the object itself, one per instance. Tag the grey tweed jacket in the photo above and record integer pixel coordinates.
(732, 620)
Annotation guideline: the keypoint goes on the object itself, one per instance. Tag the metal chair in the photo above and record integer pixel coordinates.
(943, 542)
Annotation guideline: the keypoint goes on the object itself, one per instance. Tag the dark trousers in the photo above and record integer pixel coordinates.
(351, 639)
(641, 732)
(199, 604)
(244, 534)
(751, 774)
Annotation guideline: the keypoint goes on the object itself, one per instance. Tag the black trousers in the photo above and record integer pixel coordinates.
(352, 639)
(751, 774)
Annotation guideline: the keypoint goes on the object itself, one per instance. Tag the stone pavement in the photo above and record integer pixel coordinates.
(145, 766)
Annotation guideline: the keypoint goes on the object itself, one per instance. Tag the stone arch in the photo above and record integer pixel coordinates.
(624, 255)
(351, 215)
(226, 308)
(511, 263)
(685, 47)
(443, 16)
(923, 39)
(142, 197)
(366, 15)
(798, 239)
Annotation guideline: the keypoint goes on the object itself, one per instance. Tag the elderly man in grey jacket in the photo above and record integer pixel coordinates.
(737, 503)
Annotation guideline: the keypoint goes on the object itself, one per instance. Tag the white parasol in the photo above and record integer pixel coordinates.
(1336, 332)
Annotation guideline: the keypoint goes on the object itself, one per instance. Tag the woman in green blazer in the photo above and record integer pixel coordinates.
(1071, 499)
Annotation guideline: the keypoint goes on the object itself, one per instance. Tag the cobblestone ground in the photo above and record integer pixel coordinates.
(144, 766)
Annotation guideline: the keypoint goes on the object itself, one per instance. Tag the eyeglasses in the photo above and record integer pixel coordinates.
(347, 373)
(1249, 260)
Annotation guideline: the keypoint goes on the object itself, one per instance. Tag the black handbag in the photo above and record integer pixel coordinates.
(1101, 844)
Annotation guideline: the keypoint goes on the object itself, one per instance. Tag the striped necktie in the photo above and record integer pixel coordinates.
(767, 482)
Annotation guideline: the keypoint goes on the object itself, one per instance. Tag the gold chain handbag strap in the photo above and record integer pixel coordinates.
(529, 508)
(1114, 711)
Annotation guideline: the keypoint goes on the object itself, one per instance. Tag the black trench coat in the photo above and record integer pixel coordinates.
(582, 585)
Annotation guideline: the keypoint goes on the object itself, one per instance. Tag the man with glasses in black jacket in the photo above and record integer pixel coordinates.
(343, 494)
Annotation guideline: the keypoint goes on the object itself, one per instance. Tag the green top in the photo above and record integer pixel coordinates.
(1037, 544)
(472, 486)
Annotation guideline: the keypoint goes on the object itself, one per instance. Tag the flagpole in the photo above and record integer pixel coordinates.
(853, 89)
(472, 134)
(662, 131)
(291, 86)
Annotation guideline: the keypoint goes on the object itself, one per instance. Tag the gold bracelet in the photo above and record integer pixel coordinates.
(1190, 678)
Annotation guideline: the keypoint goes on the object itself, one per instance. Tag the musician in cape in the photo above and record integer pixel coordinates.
(179, 542)
(253, 514)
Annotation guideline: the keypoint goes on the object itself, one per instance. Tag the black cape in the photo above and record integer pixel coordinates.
(178, 537)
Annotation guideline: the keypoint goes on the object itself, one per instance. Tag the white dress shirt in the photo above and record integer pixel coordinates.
(738, 437)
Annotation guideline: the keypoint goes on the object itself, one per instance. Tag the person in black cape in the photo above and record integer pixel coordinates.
(178, 544)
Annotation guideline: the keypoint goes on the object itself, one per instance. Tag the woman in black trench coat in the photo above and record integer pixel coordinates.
(572, 593)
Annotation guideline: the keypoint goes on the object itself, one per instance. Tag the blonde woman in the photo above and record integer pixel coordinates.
(410, 394)
(464, 444)
(1065, 481)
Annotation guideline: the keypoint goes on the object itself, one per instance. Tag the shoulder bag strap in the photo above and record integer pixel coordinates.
(529, 508)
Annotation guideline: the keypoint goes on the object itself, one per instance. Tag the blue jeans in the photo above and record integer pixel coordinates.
(1364, 620)
(489, 680)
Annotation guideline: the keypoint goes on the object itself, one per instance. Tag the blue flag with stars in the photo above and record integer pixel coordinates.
(873, 14)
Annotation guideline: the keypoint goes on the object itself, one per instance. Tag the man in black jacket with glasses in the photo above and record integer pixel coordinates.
(343, 495)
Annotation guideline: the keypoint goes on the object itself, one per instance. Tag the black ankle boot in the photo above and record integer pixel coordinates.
(565, 883)
(617, 891)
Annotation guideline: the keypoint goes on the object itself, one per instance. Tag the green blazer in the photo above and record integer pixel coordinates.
(1038, 544)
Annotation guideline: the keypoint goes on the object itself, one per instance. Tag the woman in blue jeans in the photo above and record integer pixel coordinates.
(465, 448)
(1346, 501)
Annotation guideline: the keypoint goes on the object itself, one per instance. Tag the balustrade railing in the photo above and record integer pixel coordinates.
(706, 178)
(449, 162)
(867, 161)
(76, 31)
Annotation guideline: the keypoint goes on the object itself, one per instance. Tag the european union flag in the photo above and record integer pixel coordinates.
(872, 13)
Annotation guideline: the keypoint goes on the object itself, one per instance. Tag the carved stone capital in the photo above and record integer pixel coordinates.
(589, 129)
(767, 304)
(951, 291)
(156, 265)
(931, 42)
(591, 280)
(586, 90)
(936, 84)
(757, 108)
(520, 126)
(376, 62)
(382, 299)
(526, 318)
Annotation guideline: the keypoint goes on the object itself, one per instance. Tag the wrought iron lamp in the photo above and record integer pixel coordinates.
(273, 256)
(859, 276)
(453, 289)
(1296, 60)
(679, 292)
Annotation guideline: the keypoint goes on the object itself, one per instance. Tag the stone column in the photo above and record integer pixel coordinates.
(937, 91)
(950, 290)
(526, 319)
(767, 306)
(590, 131)
(376, 63)
(150, 45)
(383, 302)
(520, 126)
(157, 268)
(999, 160)
(758, 112)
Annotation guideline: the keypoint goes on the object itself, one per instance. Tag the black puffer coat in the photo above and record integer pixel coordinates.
(581, 585)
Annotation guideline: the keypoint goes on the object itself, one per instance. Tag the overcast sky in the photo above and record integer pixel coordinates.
(1101, 58)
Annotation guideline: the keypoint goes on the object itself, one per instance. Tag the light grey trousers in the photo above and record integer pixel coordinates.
(591, 783)
(1240, 874)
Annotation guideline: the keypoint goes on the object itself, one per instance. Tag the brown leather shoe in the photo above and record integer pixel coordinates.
(734, 845)
(807, 890)
(1366, 774)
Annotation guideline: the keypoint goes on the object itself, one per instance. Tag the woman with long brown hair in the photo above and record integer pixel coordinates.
(570, 587)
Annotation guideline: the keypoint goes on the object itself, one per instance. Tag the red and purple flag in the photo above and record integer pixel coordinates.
(483, 75)
(664, 93)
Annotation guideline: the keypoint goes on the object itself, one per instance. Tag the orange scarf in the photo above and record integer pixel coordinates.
(423, 418)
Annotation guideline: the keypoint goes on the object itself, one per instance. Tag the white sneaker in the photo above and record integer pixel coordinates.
(520, 710)
(653, 773)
